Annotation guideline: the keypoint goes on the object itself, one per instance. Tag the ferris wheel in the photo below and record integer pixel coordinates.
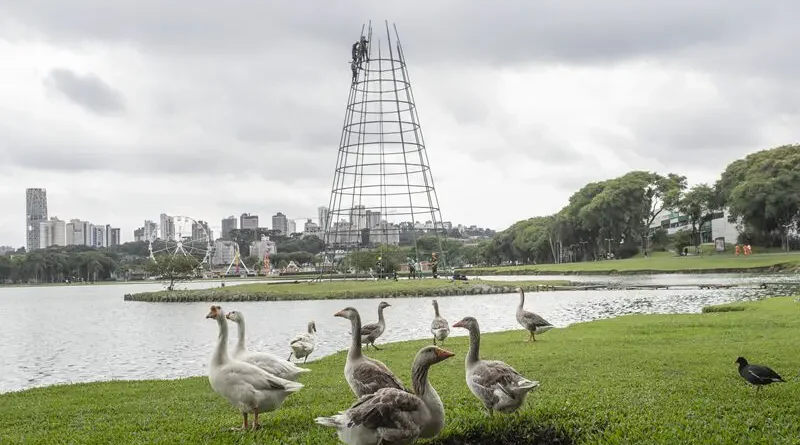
(182, 235)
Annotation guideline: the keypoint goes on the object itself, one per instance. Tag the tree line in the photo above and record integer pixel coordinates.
(760, 192)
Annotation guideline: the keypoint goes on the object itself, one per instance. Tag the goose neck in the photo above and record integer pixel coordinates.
(240, 335)
(355, 346)
(436, 309)
(474, 345)
(221, 352)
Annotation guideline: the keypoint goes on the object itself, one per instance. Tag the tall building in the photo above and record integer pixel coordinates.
(35, 213)
(228, 224)
(259, 249)
(79, 233)
(150, 230)
(114, 237)
(311, 228)
(291, 227)
(373, 218)
(322, 217)
(167, 228)
(248, 221)
(201, 231)
(52, 233)
(280, 223)
(358, 217)
(138, 234)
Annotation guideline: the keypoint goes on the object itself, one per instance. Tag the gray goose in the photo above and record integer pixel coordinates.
(364, 375)
(497, 385)
(439, 327)
(370, 332)
(534, 323)
(393, 416)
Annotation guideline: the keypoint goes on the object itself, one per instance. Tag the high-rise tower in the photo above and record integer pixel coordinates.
(35, 213)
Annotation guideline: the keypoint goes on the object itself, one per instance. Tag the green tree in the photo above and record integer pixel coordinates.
(699, 205)
(174, 268)
(763, 191)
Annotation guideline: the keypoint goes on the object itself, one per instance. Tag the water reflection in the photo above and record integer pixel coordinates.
(86, 333)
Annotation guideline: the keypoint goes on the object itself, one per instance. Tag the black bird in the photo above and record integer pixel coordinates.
(757, 375)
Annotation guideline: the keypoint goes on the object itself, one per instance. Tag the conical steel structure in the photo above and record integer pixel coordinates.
(383, 194)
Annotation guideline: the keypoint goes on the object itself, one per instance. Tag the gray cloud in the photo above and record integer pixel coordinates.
(88, 91)
(259, 90)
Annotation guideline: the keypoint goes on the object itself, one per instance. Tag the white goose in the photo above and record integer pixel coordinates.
(439, 327)
(264, 360)
(245, 386)
(303, 345)
(393, 416)
(499, 386)
(364, 375)
(534, 323)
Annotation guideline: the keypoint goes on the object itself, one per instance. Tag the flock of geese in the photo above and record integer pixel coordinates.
(386, 411)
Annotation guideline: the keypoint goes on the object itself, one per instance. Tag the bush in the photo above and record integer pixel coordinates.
(723, 308)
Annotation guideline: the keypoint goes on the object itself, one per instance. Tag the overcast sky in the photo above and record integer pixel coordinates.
(126, 109)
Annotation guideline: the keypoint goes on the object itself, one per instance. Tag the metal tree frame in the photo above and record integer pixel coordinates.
(383, 174)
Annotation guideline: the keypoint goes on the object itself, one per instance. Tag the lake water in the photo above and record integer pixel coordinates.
(82, 333)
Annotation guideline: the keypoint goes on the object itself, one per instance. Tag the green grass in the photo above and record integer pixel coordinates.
(644, 379)
(340, 290)
(655, 264)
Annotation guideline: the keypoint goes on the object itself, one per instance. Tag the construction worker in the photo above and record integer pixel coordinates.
(362, 46)
(354, 67)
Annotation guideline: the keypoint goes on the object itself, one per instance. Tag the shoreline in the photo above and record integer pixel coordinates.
(344, 290)
(777, 268)
(582, 397)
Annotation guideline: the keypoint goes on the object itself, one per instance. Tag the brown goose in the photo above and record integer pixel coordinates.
(364, 375)
(499, 386)
(371, 332)
(393, 416)
(529, 320)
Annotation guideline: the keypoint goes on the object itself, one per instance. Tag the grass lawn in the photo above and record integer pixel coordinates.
(655, 264)
(340, 290)
(641, 379)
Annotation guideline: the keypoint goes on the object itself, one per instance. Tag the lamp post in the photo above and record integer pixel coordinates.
(608, 240)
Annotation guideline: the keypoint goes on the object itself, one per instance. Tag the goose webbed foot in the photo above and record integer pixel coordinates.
(377, 348)
(244, 424)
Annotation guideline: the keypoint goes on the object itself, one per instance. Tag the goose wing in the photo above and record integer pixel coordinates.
(372, 375)
(495, 373)
(368, 329)
(531, 319)
(388, 408)
(259, 379)
(439, 323)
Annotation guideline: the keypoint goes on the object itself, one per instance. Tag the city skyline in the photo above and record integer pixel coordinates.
(46, 229)
(143, 117)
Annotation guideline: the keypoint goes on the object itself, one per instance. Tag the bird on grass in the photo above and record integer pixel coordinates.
(757, 375)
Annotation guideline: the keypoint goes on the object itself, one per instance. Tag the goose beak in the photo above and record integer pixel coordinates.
(339, 314)
(443, 354)
(458, 324)
(211, 315)
(228, 315)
